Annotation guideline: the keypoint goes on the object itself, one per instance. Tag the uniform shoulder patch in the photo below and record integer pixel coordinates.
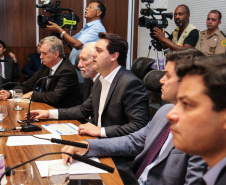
(223, 42)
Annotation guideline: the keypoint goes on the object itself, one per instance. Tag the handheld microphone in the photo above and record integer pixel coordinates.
(74, 156)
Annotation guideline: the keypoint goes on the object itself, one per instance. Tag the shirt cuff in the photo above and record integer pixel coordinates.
(53, 114)
(103, 132)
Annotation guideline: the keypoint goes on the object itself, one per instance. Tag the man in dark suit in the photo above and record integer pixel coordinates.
(198, 120)
(9, 68)
(167, 165)
(58, 92)
(119, 101)
(33, 65)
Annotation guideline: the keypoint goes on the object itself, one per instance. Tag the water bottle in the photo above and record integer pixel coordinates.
(2, 169)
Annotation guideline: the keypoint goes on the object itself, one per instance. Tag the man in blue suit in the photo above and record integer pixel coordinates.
(168, 166)
(198, 120)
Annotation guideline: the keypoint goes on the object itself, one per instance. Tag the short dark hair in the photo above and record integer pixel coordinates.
(217, 12)
(183, 56)
(3, 44)
(213, 71)
(186, 7)
(116, 44)
(102, 8)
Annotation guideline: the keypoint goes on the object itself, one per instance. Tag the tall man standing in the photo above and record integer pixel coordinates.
(198, 120)
(157, 162)
(186, 35)
(58, 92)
(213, 41)
(119, 100)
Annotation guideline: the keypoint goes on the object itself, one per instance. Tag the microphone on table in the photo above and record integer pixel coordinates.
(31, 127)
(17, 83)
(74, 156)
(5, 60)
(54, 140)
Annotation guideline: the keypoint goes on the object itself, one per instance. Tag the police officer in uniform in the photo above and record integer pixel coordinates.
(213, 41)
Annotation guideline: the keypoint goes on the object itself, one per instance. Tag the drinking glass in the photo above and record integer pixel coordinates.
(58, 174)
(22, 175)
(18, 95)
(3, 114)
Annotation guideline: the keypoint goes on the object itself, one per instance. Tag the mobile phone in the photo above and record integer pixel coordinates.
(25, 121)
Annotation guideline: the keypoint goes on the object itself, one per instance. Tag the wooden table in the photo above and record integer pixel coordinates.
(18, 154)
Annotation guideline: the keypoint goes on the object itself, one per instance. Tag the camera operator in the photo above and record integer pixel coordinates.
(186, 35)
(94, 14)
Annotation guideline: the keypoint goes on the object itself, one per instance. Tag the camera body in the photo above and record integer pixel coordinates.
(151, 23)
(66, 20)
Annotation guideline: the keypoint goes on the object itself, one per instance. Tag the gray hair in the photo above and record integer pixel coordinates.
(56, 45)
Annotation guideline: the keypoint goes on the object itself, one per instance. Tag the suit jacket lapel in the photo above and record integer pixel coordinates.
(113, 85)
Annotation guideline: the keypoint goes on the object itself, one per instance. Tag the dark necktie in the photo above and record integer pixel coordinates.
(154, 150)
(47, 80)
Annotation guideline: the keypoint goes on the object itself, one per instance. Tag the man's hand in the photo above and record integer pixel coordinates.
(89, 129)
(13, 57)
(38, 114)
(27, 95)
(159, 34)
(4, 95)
(73, 150)
(54, 27)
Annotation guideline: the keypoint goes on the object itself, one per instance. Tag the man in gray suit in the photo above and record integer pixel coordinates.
(198, 120)
(168, 166)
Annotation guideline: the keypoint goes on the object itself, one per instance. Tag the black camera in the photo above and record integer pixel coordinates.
(66, 20)
(151, 23)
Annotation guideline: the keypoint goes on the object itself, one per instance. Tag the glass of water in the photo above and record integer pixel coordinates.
(22, 175)
(3, 114)
(18, 95)
(58, 174)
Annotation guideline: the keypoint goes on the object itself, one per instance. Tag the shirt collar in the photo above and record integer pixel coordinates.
(93, 22)
(109, 78)
(54, 68)
(211, 176)
(95, 77)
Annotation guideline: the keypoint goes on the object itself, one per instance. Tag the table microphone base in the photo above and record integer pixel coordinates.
(30, 128)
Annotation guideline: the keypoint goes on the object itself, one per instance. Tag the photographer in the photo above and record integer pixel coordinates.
(94, 14)
(186, 35)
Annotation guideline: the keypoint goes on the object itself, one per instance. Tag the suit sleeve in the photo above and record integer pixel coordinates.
(62, 88)
(79, 112)
(130, 145)
(135, 107)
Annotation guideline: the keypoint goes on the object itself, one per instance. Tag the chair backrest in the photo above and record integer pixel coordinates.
(141, 66)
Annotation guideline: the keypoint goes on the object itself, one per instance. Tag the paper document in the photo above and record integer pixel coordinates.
(62, 128)
(75, 168)
(29, 140)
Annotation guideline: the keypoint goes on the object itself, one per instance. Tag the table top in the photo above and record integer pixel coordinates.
(18, 154)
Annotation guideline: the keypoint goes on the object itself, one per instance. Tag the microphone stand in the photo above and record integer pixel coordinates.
(74, 156)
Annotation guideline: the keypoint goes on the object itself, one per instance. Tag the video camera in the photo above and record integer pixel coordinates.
(66, 20)
(151, 23)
